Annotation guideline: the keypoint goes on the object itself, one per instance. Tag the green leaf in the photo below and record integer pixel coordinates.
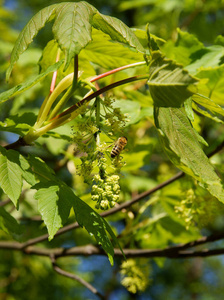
(8, 224)
(29, 83)
(185, 50)
(117, 30)
(72, 27)
(132, 108)
(208, 104)
(205, 113)
(11, 175)
(53, 206)
(41, 170)
(107, 54)
(19, 124)
(181, 145)
(27, 171)
(169, 84)
(210, 57)
(95, 225)
(212, 84)
(28, 33)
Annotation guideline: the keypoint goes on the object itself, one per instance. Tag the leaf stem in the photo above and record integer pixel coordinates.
(117, 70)
(54, 77)
(73, 108)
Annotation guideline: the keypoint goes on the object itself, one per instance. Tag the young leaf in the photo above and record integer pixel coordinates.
(212, 83)
(95, 225)
(169, 84)
(181, 145)
(211, 57)
(185, 50)
(208, 104)
(29, 83)
(91, 220)
(41, 170)
(53, 206)
(72, 28)
(8, 224)
(117, 30)
(10, 174)
(107, 54)
(28, 33)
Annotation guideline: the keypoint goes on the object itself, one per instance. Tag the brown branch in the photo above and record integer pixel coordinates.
(19, 143)
(76, 278)
(3, 203)
(89, 250)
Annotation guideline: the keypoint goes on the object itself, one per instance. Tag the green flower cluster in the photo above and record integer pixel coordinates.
(90, 150)
(105, 191)
(115, 120)
(135, 275)
(199, 208)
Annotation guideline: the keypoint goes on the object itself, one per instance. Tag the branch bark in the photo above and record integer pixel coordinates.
(178, 251)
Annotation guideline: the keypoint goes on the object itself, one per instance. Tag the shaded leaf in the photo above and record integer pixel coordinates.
(169, 84)
(19, 124)
(41, 170)
(53, 206)
(11, 175)
(8, 224)
(95, 225)
(181, 145)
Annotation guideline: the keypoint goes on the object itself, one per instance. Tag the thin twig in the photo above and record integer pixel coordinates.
(76, 278)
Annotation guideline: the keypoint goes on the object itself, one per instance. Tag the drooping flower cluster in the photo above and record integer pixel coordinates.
(135, 275)
(114, 119)
(105, 191)
(91, 151)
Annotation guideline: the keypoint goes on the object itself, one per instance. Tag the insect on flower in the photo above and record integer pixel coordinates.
(119, 146)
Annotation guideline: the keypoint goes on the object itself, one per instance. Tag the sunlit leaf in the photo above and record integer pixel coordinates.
(185, 50)
(212, 86)
(72, 27)
(169, 84)
(107, 54)
(28, 33)
(117, 30)
(181, 145)
(29, 83)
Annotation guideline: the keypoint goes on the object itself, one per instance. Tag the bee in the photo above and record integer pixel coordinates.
(119, 146)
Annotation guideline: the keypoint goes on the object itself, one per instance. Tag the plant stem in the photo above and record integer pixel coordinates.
(48, 102)
(69, 92)
(97, 93)
(54, 77)
(117, 70)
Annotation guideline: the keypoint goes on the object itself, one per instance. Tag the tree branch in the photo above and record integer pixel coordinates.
(76, 278)
(178, 251)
